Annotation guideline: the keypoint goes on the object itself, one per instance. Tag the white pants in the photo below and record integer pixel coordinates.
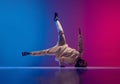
(61, 50)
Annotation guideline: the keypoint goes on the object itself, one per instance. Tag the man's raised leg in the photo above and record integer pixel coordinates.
(61, 37)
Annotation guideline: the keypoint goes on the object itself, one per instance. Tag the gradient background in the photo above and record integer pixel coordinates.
(27, 25)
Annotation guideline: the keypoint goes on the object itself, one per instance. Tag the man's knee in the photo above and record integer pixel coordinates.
(61, 33)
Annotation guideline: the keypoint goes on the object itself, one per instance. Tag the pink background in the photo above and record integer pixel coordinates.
(99, 21)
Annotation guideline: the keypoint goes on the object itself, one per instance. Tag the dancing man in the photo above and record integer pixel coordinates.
(62, 52)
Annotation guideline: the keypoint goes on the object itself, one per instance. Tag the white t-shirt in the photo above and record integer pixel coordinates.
(68, 54)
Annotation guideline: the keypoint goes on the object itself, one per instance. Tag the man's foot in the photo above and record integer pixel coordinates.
(55, 16)
(25, 53)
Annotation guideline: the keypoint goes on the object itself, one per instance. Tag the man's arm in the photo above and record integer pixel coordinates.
(80, 47)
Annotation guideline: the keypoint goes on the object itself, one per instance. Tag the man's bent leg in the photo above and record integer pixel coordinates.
(35, 53)
(50, 51)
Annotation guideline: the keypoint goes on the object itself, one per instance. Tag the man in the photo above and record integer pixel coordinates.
(63, 53)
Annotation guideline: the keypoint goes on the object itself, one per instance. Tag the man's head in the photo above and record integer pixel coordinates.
(81, 63)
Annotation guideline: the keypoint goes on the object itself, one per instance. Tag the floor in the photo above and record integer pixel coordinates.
(56, 75)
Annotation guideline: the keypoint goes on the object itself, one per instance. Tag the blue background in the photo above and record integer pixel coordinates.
(25, 26)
